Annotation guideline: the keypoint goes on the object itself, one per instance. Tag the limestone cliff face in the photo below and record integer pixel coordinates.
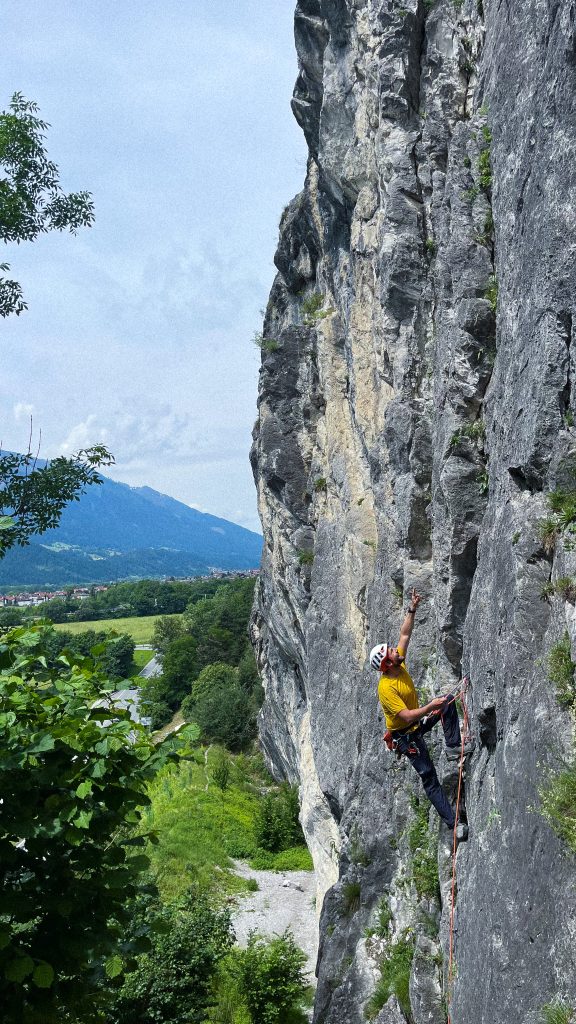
(415, 409)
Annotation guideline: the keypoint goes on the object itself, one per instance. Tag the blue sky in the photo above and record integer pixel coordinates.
(176, 116)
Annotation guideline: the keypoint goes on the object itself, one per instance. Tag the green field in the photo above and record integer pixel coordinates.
(140, 629)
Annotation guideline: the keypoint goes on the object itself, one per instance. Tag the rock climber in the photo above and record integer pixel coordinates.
(408, 723)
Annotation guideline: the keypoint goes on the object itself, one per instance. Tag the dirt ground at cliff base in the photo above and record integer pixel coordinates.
(285, 899)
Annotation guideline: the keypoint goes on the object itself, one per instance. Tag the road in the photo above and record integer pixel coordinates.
(130, 697)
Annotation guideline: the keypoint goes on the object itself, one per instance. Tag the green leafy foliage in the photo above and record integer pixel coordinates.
(306, 557)
(271, 979)
(171, 982)
(33, 497)
(266, 344)
(221, 770)
(394, 978)
(113, 654)
(561, 671)
(484, 162)
(219, 624)
(564, 587)
(166, 630)
(312, 309)
(469, 431)
(277, 827)
(140, 598)
(179, 669)
(226, 715)
(31, 199)
(74, 772)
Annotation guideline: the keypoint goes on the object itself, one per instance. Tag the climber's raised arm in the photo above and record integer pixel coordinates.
(408, 624)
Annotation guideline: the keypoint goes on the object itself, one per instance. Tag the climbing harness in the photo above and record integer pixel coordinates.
(391, 741)
(391, 737)
(464, 737)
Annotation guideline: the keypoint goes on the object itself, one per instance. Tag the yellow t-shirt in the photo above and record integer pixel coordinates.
(396, 691)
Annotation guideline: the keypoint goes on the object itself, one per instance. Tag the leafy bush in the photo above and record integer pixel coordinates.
(216, 676)
(115, 659)
(561, 671)
(74, 774)
(271, 978)
(491, 292)
(306, 557)
(562, 504)
(277, 827)
(394, 978)
(312, 310)
(220, 623)
(221, 769)
(172, 981)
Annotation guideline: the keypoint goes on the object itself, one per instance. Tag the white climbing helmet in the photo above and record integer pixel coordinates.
(377, 655)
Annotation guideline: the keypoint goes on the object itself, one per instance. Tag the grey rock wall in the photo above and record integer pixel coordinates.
(414, 411)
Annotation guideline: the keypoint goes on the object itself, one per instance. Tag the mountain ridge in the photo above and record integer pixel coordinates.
(115, 531)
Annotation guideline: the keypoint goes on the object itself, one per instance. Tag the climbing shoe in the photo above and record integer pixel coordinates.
(453, 753)
(461, 832)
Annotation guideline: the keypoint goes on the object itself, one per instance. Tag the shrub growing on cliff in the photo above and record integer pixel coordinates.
(562, 522)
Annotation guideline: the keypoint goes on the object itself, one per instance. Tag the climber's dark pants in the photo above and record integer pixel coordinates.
(413, 746)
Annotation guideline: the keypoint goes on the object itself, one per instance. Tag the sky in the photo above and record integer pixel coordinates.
(176, 116)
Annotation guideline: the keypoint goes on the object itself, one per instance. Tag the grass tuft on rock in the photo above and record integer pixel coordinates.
(558, 803)
(558, 1013)
(561, 671)
(394, 978)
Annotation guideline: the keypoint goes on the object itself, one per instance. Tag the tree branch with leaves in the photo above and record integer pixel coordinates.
(32, 201)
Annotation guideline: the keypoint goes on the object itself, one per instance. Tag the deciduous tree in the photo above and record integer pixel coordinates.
(31, 199)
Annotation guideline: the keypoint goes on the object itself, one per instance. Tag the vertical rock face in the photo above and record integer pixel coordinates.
(415, 409)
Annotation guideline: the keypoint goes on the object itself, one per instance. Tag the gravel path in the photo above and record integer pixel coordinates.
(285, 899)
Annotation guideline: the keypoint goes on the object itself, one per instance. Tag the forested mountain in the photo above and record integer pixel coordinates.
(115, 531)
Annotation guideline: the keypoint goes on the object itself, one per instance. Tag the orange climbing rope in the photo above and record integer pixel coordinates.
(464, 737)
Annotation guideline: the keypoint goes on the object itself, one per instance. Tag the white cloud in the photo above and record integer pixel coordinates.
(23, 411)
(137, 438)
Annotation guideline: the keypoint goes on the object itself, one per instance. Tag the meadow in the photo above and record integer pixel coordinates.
(139, 628)
(200, 828)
